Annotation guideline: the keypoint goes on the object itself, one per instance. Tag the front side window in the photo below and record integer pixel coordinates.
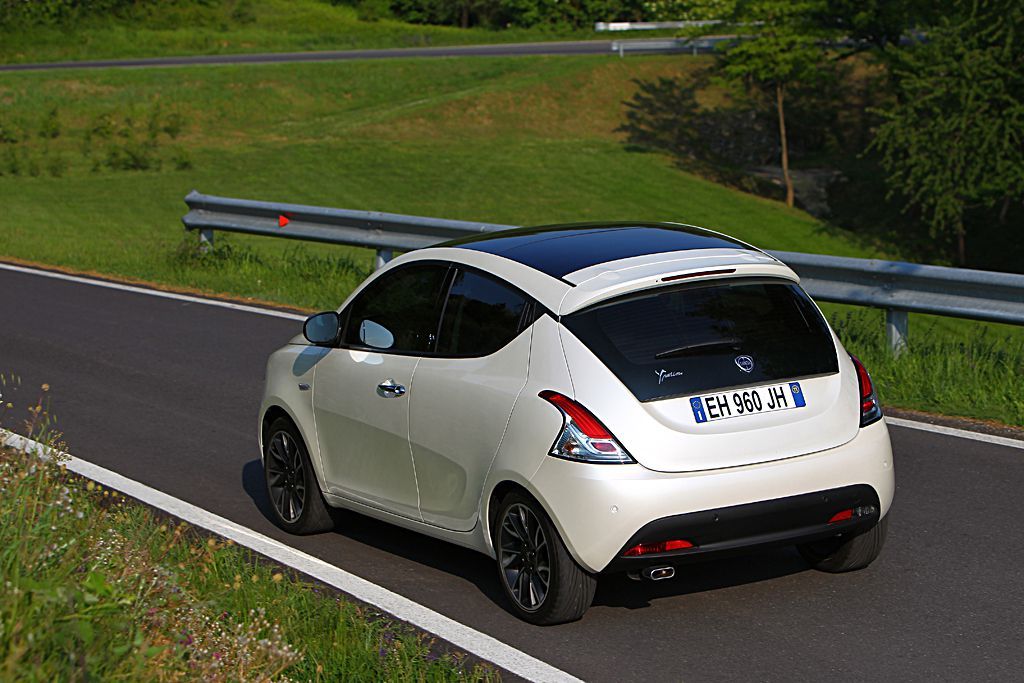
(482, 315)
(399, 311)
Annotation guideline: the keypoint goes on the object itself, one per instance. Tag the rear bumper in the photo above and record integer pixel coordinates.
(600, 509)
(740, 528)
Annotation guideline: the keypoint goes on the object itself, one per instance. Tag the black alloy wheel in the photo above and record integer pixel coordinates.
(299, 506)
(286, 479)
(525, 557)
(543, 582)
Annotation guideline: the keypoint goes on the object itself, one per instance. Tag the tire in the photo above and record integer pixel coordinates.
(522, 565)
(846, 554)
(294, 493)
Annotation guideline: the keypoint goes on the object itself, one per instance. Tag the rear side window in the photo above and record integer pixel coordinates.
(482, 315)
(399, 311)
(693, 338)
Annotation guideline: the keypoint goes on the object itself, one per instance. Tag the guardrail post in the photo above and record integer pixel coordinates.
(896, 323)
(383, 256)
(205, 240)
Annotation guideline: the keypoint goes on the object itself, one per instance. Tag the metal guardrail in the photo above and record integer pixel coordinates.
(900, 287)
(695, 46)
(385, 232)
(653, 25)
(895, 286)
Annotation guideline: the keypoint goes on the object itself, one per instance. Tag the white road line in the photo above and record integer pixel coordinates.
(896, 421)
(458, 634)
(951, 431)
(151, 292)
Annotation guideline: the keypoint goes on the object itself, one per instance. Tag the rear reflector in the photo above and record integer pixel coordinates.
(841, 516)
(659, 547)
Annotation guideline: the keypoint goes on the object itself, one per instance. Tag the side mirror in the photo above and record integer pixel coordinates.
(375, 335)
(322, 328)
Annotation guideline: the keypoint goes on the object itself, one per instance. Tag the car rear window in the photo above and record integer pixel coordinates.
(684, 340)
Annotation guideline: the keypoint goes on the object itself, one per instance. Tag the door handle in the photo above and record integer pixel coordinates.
(388, 389)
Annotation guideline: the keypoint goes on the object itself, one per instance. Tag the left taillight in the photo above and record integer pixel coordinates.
(583, 437)
(870, 410)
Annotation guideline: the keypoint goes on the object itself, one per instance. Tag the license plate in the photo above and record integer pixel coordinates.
(766, 399)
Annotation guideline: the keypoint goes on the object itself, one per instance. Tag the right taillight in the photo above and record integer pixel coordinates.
(583, 438)
(870, 410)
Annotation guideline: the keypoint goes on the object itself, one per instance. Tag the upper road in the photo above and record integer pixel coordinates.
(166, 392)
(577, 47)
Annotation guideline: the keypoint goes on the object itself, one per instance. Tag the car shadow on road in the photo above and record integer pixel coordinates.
(466, 564)
(615, 590)
(618, 590)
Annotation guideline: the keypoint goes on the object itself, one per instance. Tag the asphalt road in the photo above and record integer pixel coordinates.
(167, 393)
(577, 47)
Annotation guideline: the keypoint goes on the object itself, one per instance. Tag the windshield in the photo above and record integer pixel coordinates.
(677, 341)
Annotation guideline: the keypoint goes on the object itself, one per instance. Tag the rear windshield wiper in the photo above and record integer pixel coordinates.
(700, 347)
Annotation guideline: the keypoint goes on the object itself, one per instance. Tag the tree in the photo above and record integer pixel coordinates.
(689, 10)
(954, 138)
(877, 24)
(784, 48)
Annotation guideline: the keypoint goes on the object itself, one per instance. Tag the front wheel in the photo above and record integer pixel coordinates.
(294, 492)
(541, 579)
(846, 554)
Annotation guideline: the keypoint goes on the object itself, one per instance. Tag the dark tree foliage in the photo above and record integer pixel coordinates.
(875, 23)
(28, 12)
(664, 115)
(953, 141)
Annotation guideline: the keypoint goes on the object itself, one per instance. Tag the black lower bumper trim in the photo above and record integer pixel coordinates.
(740, 528)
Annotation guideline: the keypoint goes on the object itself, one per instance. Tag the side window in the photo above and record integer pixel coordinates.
(399, 312)
(482, 315)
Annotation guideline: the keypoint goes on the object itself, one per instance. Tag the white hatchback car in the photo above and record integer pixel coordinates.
(581, 399)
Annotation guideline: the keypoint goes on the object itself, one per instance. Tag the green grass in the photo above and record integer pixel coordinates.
(515, 141)
(239, 26)
(100, 588)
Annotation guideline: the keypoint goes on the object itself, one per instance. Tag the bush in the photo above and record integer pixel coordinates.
(181, 159)
(49, 126)
(11, 161)
(56, 165)
(373, 10)
(8, 134)
(131, 156)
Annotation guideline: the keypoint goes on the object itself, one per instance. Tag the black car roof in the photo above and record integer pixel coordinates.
(562, 249)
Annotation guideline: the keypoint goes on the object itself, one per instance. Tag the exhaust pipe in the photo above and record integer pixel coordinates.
(658, 573)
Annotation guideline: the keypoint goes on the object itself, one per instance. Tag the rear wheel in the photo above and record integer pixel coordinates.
(299, 507)
(846, 553)
(540, 577)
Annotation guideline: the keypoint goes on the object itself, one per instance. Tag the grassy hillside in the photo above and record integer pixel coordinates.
(236, 26)
(99, 162)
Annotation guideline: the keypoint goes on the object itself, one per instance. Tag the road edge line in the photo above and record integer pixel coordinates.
(461, 636)
(953, 431)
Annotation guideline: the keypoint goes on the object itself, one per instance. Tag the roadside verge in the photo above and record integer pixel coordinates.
(458, 635)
